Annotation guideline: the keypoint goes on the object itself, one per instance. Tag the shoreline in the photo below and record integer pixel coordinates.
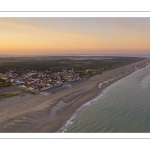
(101, 94)
(104, 87)
(49, 113)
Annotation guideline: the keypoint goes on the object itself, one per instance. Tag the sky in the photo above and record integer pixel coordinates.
(54, 36)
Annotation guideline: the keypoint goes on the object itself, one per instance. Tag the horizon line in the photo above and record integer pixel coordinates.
(71, 54)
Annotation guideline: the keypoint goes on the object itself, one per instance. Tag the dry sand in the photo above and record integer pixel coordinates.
(48, 112)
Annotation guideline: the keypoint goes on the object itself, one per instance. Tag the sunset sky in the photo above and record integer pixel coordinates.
(50, 36)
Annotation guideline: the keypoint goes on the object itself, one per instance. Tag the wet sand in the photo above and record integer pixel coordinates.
(47, 112)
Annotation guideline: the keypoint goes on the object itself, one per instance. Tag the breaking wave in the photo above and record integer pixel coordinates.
(70, 121)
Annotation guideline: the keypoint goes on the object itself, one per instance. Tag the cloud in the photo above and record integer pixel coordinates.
(29, 25)
(129, 26)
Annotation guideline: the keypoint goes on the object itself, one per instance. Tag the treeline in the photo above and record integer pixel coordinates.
(42, 64)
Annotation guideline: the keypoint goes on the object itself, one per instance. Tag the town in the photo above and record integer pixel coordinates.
(40, 81)
(52, 74)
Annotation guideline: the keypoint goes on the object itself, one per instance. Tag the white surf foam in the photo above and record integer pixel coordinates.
(145, 79)
(106, 81)
(70, 121)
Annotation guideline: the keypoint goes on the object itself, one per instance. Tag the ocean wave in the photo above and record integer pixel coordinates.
(145, 81)
(70, 121)
(108, 80)
(100, 95)
(145, 78)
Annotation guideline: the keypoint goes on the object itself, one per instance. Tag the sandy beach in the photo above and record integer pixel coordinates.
(48, 112)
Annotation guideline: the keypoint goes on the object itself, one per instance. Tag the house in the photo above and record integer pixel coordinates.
(19, 82)
(31, 82)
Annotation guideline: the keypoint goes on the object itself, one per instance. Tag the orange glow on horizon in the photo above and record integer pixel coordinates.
(18, 37)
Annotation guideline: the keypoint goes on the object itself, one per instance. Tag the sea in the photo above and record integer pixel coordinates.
(123, 107)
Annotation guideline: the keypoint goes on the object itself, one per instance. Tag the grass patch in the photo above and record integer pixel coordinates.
(29, 91)
(9, 94)
(3, 83)
(15, 93)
